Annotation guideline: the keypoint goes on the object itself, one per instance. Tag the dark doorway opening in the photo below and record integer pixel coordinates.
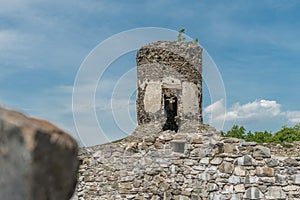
(170, 106)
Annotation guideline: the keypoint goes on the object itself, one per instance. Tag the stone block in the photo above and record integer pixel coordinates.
(190, 162)
(275, 192)
(253, 193)
(199, 167)
(196, 140)
(239, 171)
(204, 161)
(227, 189)
(238, 196)
(271, 162)
(204, 176)
(234, 180)
(291, 188)
(216, 161)
(212, 187)
(251, 179)
(229, 148)
(247, 144)
(37, 159)
(296, 179)
(267, 180)
(281, 179)
(260, 151)
(226, 167)
(291, 162)
(212, 169)
(127, 178)
(166, 136)
(244, 161)
(231, 140)
(240, 188)
(265, 171)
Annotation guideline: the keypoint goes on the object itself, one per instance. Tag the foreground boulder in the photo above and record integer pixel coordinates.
(37, 159)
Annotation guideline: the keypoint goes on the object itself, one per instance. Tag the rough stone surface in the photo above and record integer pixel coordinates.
(265, 171)
(296, 179)
(245, 160)
(261, 151)
(157, 171)
(37, 159)
(169, 78)
(253, 193)
(226, 167)
(275, 192)
(187, 159)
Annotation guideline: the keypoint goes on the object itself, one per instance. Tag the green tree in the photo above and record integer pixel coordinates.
(236, 132)
(297, 127)
(249, 137)
(286, 134)
(262, 137)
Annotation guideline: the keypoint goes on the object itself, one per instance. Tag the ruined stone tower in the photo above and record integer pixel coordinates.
(169, 87)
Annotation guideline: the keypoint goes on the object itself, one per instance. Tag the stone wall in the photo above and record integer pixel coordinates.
(169, 66)
(187, 166)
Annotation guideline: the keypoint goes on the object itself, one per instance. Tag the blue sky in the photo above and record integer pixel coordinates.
(255, 45)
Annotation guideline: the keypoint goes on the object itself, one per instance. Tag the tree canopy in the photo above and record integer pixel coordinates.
(285, 134)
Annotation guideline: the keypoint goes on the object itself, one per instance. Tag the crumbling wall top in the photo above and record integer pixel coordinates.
(172, 50)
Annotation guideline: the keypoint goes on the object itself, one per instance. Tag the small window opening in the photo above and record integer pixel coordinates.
(178, 147)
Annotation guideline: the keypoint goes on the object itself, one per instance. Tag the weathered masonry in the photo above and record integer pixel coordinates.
(172, 154)
(169, 86)
(210, 168)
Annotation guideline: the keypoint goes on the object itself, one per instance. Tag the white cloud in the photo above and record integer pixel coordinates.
(257, 112)
(216, 114)
(293, 116)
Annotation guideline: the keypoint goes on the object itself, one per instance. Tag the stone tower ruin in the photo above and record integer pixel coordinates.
(197, 163)
(169, 95)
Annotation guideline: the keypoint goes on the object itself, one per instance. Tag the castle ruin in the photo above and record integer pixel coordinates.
(172, 154)
(169, 87)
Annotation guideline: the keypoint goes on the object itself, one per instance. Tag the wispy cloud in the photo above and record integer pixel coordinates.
(293, 116)
(12, 6)
(13, 40)
(53, 37)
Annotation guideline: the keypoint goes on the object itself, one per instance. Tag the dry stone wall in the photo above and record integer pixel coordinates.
(188, 161)
(186, 166)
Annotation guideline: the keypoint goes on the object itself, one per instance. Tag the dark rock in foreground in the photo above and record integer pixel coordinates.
(37, 159)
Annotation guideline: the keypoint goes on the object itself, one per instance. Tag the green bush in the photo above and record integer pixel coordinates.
(285, 134)
(236, 132)
(259, 137)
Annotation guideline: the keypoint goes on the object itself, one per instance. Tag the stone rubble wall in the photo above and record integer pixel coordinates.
(184, 57)
(186, 166)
